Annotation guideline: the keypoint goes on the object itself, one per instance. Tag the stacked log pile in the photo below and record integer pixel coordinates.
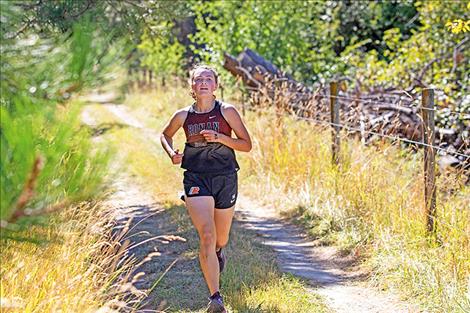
(390, 112)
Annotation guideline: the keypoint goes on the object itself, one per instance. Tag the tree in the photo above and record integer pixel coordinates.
(162, 52)
(294, 35)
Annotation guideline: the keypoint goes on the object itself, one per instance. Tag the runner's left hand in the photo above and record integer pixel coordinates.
(210, 135)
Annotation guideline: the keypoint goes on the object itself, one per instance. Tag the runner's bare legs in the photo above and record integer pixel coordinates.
(223, 222)
(201, 210)
(213, 226)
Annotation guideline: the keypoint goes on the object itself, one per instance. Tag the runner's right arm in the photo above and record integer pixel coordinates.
(166, 138)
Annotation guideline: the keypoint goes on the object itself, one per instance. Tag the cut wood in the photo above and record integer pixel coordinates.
(391, 111)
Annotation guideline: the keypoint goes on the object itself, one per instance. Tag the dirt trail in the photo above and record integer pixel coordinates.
(327, 274)
(344, 290)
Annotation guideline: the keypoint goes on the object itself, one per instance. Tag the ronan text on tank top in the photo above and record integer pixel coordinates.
(196, 122)
(201, 156)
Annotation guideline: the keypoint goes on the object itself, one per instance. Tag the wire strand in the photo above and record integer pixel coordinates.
(383, 135)
(437, 108)
(371, 101)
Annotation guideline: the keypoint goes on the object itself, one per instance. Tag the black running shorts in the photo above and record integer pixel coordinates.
(222, 187)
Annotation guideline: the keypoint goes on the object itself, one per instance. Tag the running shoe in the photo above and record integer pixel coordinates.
(222, 259)
(216, 305)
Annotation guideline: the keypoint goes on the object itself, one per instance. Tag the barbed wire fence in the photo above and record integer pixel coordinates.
(423, 136)
(332, 116)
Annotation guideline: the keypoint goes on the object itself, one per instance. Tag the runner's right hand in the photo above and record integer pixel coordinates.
(177, 157)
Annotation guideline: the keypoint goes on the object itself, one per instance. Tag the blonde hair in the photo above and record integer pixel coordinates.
(193, 72)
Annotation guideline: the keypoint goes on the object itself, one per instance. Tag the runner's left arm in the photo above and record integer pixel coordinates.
(243, 140)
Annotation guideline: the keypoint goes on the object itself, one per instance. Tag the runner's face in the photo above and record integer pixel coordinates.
(204, 83)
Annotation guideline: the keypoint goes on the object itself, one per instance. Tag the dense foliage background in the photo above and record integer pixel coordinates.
(387, 43)
(56, 52)
(53, 50)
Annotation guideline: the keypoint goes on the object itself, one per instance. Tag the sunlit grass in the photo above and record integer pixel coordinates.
(64, 266)
(373, 203)
(286, 295)
(98, 114)
(155, 107)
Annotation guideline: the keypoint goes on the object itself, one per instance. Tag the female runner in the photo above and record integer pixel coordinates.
(210, 180)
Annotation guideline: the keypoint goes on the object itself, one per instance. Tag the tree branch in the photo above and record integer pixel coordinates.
(22, 29)
(455, 54)
(88, 6)
(28, 189)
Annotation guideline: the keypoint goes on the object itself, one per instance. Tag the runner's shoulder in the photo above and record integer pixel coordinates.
(181, 114)
(227, 107)
(229, 111)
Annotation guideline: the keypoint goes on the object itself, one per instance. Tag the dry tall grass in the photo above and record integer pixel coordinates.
(372, 204)
(69, 265)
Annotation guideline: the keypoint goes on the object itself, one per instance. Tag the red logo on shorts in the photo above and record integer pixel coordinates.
(193, 191)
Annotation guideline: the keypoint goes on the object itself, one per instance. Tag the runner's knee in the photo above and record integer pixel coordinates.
(221, 242)
(208, 237)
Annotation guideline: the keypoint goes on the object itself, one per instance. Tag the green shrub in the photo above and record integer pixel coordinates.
(72, 170)
(40, 124)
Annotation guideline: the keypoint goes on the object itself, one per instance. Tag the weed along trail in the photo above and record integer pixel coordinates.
(343, 290)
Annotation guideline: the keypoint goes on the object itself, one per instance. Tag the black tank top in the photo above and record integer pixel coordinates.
(201, 156)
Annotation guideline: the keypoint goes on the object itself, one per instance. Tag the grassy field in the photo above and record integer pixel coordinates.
(65, 265)
(372, 206)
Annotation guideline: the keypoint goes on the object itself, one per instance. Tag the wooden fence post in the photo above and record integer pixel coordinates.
(130, 77)
(427, 112)
(150, 78)
(243, 102)
(334, 110)
(144, 78)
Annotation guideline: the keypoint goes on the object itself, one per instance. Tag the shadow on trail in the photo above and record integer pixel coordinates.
(164, 246)
(165, 261)
(103, 128)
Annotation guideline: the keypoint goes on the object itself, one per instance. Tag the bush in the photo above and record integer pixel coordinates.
(71, 169)
(47, 160)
